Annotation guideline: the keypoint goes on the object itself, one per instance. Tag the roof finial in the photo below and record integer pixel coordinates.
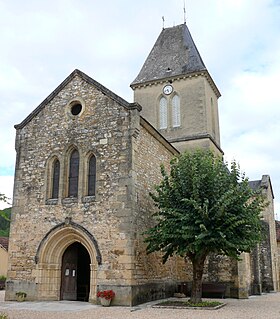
(163, 22)
(184, 12)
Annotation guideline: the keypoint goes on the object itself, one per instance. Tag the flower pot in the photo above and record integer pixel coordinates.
(21, 298)
(105, 302)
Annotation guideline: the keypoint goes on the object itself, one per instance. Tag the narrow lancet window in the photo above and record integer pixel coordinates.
(176, 116)
(163, 113)
(91, 176)
(55, 179)
(73, 174)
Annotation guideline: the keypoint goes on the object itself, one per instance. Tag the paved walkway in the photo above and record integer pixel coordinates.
(256, 307)
(59, 306)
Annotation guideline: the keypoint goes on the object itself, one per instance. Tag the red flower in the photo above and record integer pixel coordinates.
(107, 294)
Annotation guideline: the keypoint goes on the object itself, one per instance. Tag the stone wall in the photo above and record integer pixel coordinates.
(266, 261)
(269, 244)
(277, 226)
(3, 261)
(199, 116)
(111, 223)
(153, 280)
(103, 128)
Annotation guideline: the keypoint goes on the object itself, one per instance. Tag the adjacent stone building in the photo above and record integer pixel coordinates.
(4, 244)
(86, 162)
(277, 226)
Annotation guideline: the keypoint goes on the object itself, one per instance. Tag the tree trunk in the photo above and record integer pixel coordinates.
(198, 265)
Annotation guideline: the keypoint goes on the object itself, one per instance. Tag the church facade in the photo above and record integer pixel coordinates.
(86, 162)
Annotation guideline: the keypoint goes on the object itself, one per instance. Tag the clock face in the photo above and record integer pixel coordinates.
(167, 89)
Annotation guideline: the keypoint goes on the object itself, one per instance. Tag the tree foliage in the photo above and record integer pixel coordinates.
(5, 216)
(204, 206)
(4, 198)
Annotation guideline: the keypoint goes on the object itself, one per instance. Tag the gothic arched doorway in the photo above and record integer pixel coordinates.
(75, 273)
(49, 260)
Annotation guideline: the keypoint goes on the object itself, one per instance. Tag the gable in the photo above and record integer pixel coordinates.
(88, 80)
(264, 183)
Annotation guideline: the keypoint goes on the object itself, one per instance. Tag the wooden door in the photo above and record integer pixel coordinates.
(69, 274)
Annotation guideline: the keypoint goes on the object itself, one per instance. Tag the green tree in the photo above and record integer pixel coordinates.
(204, 207)
(4, 198)
(5, 215)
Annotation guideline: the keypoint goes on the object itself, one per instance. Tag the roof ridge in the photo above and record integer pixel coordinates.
(86, 78)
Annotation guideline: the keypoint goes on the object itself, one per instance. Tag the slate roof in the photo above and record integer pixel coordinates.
(255, 185)
(173, 54)
(4, 242)
(264, 183)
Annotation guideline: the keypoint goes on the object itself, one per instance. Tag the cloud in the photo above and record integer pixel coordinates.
(43, 42)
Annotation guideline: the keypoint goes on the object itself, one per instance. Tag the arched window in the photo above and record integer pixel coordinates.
(73, 174)
(55, 179)
(163, 113)
(176, 116)
(91, 175)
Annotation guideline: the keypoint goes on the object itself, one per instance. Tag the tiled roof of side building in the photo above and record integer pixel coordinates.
(255, 184)
(173, 54)
(4, 242)
(264, 183)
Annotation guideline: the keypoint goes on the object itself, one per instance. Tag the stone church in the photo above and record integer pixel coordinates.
(86, 161)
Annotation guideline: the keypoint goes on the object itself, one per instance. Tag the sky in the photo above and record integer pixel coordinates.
(42, 42)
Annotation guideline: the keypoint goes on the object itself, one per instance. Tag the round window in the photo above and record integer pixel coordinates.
(76, 109)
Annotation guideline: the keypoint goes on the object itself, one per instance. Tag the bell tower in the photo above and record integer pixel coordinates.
(177, 94)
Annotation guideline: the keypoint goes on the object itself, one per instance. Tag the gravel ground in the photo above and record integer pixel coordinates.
(257, 307)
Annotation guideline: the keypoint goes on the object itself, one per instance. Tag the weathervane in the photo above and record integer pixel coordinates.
(163, 22)
(184, 12)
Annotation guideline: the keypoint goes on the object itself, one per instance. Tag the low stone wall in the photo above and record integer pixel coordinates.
(13, 286)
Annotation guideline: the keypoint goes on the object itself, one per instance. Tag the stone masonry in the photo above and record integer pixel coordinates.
(106, 227)
(127, 148)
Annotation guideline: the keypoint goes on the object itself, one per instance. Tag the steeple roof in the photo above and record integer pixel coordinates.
(173, 54)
